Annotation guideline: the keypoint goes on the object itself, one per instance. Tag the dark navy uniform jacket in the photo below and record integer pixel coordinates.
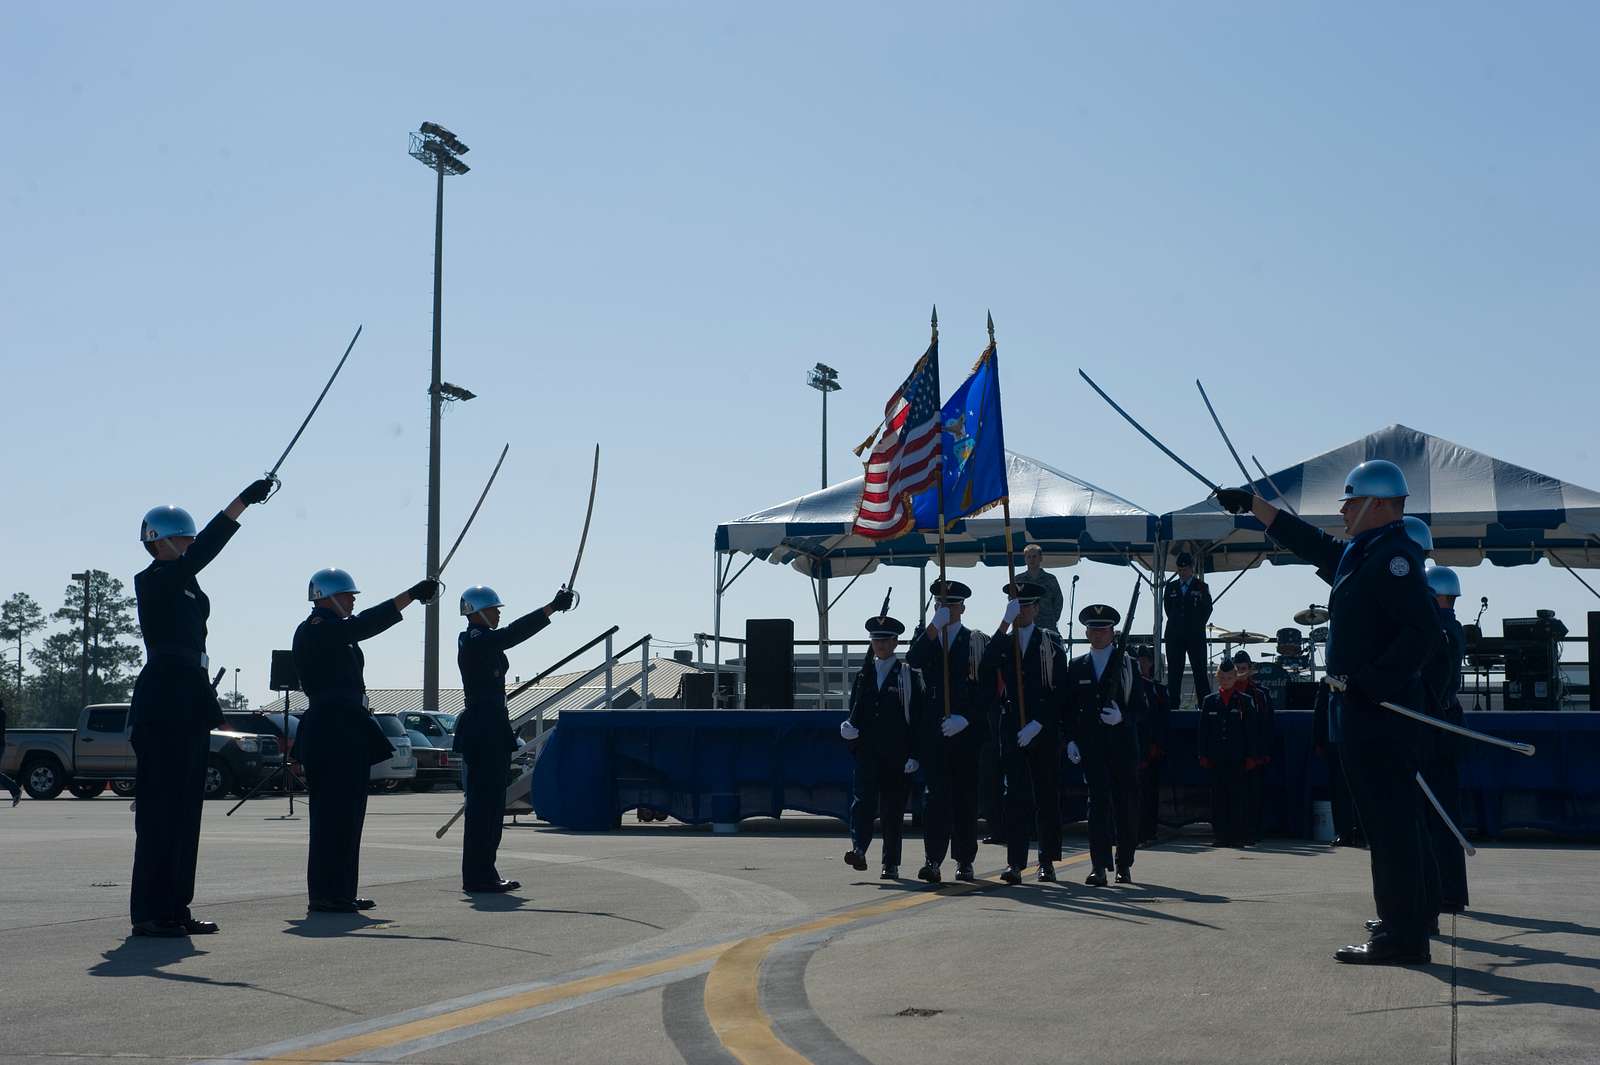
(1227, 735)
(1085, 698)
(327, 655)
(1382, 622)
(1154, 715)
(968, 695)
(1187, 610)
(173, 692)
(1045, 695)
(881, 713)
(1443, 670)
(484, 725)
(1263, 720)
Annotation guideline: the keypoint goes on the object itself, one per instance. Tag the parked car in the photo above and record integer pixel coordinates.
(436, 764)
(402, 765)
(48, 761)
(258, 723)
(434, 724)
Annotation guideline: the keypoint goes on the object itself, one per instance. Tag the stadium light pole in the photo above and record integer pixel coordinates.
(824, 379)
(437, 149)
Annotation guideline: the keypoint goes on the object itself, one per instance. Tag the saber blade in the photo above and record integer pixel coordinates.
(1165, 450)
(272, 474)
(1218, 423)
(1451, 825)
(1265, 476)
(1526, 749)
(583, 540)
(481, 497)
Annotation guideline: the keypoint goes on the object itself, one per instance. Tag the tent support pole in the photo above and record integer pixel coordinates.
(716, 626)
(1572, 571)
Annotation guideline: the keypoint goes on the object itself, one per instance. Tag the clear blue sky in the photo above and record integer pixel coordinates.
(1341, 216)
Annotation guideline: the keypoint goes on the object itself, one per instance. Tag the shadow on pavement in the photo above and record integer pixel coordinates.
(138, 956)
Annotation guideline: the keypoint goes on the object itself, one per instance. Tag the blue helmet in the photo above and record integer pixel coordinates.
(478, 597)
(1419, 532)
(162, 522)
(326, 583)
(1443, 580)
(1375, 478)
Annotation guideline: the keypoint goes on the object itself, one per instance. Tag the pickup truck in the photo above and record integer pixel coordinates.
(48, 761)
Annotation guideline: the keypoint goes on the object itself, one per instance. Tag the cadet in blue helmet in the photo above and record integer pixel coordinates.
(174, 710)
(339, 741)
(1442, 677)
(483, 731)
(1383, 628)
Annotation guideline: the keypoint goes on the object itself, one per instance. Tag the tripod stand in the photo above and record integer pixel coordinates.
(284, 681)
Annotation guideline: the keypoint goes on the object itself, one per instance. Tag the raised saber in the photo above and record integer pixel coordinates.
(1218, 423)
(1338, 685)
(1165, 450)
(583, 540)
(272, 474)
(1265, 476)
(481, 497)
(1451, 825)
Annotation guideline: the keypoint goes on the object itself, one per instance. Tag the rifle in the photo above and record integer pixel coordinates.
(1114, 663)
(883, 612)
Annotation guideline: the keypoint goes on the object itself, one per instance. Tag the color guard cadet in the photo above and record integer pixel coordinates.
(1226, 748)
(1383, 627)
(483, 731)
(1103, 704)
(887, 705)
(1153, 738)
(174, 710)
(1442, 676)
(1186, 605)
(1263, 730)
(1029, 753)
(950, 745)
(339, 742)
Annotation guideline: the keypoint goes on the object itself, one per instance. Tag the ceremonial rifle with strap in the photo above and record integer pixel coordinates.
(1119, 653)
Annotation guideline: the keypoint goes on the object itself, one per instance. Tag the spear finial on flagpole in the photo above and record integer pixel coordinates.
(991, 328)
(934, 323)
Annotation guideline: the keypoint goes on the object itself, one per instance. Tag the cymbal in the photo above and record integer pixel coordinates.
(1240, 636)
(1314, 615)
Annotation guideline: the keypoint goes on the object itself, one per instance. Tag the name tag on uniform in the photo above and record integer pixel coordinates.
(190, 594)
(205, 661)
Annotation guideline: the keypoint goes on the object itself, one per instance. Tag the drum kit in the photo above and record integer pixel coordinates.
(1297, 651)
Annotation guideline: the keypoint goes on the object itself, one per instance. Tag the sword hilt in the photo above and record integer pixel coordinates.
(277, 482)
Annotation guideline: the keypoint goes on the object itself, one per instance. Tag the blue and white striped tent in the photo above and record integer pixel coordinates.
(1068, 518)
(1477, 506)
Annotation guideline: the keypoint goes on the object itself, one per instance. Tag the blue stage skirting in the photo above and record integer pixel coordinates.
(718, 766)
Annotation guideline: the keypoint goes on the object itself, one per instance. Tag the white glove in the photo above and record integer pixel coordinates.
(848, 731)
(912, 765)
(1027, 732)
(941, 618)
(1337, 683)
(1111, 715)
(952, 725)
(1013, 608)
(1073, 754)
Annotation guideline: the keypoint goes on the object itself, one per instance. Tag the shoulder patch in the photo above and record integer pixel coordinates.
(313, 621)
(473, 634)
(1399, 566)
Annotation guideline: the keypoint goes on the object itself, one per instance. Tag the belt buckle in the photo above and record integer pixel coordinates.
(205, 661)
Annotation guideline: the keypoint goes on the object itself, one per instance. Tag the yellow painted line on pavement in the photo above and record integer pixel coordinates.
(733, 987)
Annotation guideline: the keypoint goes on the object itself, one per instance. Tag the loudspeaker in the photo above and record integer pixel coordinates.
(695, 690)
(769, 664)
(1300, 695)
(285, 678)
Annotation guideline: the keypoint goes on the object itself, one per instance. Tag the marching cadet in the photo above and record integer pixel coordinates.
(1029, 750)
(174, 710)
(950, 745)
(1442, 676)
(1103, 703)
(887, 704)
(483, 731)
(1153, 738)
(1383, 627)
(1226, 748)
(1263, 729)
(1186, 604)
(339, 741)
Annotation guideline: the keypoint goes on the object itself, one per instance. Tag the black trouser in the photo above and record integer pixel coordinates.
(1254, 802)
(1228, 803)
(1113, 779)
(950, 809)
(487, 774)
(1194, 648)
(1380, 764)
(338, 780)
(170, 782)
(5, 781)
(1440, 773)
(994, 780)
(1345, 824)
(1033, 798)
(879, 788)
(1149, 800)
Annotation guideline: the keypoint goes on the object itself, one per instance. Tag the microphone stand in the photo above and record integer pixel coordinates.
(1480, 677)
(1072, 614)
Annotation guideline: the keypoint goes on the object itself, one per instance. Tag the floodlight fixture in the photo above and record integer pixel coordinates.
(823, 378)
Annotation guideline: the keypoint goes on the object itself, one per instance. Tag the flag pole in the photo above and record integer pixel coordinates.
(944, 643)
(1011, 578)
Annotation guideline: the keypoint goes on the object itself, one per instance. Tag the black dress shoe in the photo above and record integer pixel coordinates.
(330, 906)
(1376, 925)
(495, 887)
(930, 873)
(1124, 876)
(1047, 873)
(160, 929)
(855, 860)
(1384, 949)
(1096, 878)
(890, 872)
(362, 904)
(994, 841)
(964, 872)
(1011, 875)
(196, 927)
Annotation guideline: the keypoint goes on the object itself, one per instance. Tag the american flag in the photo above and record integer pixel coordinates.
(905, 459)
